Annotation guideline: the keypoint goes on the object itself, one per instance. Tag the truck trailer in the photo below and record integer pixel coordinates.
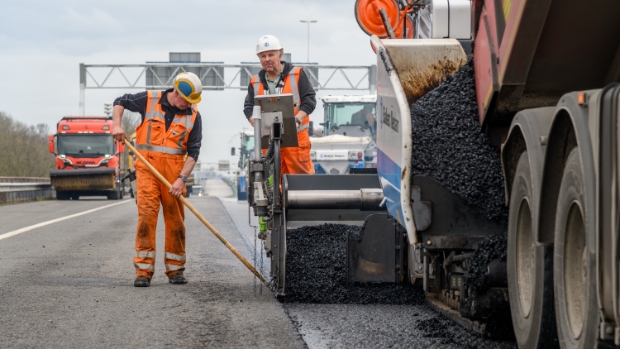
(88, 159)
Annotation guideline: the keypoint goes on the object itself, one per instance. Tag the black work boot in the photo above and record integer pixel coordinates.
(177, 279)
(142, 281)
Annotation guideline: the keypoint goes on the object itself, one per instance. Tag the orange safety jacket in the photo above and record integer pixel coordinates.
(290, 87)
(151, 135)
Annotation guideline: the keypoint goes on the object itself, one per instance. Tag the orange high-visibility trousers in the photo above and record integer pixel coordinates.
(296, 160)
(152, 193)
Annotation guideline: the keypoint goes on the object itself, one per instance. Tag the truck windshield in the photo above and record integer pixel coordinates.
(88, 145)
(354, 119)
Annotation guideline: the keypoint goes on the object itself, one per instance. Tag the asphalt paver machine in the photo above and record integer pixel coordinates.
(285, 202)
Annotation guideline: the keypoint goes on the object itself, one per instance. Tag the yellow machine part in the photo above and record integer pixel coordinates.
(96, 181)
(423, 64)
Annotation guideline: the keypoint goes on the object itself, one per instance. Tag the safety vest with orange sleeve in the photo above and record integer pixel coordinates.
(290, 87)
(151, 135)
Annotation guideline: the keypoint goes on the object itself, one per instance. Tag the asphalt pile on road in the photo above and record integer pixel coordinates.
(442, 328)
(317, 271)
(448, 144)
(451, 335)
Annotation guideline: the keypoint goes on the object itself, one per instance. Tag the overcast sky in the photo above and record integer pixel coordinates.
(42, 43)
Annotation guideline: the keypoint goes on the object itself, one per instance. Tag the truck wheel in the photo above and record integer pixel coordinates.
(574, 263)
(61, 195)
(114, 195)
(530, 269)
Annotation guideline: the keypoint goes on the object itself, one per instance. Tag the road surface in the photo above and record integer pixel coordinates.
(67, 282)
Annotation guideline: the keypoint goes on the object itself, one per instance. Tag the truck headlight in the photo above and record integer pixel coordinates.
(65, 160)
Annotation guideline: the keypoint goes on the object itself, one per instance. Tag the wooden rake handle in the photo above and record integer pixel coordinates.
(198, 215)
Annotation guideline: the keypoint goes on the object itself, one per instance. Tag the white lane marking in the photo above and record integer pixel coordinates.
(39, 225)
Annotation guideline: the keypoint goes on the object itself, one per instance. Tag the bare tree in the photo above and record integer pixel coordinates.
(24, 150)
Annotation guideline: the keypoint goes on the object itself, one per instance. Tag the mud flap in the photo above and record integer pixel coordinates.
(378, 254)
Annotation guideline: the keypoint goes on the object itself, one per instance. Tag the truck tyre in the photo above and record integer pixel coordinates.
(114, 195)
(574, 263)
(529, 268)
(62, 195)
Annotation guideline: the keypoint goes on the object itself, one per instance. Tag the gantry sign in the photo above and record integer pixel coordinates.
(159, 76)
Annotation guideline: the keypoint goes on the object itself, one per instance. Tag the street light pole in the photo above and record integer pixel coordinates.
(308, 21)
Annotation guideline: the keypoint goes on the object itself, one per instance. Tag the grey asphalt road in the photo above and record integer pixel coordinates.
(367, 326)
(70, 284)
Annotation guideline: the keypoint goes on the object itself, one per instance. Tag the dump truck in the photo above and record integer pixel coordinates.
(348, 137)
(88, 159)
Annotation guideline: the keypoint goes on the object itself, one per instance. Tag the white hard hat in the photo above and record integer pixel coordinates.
(268, 43)
(188, 85)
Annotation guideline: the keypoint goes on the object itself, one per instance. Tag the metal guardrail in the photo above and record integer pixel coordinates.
(24, 179)
(23, 189)
(24, 186)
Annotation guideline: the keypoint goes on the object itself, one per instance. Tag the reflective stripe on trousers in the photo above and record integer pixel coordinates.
(145, 266)
(144, 254)
(172, 267)
(174, 257)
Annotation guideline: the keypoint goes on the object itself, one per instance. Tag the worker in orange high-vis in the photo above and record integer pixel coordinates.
(169, 137)
(279, 77)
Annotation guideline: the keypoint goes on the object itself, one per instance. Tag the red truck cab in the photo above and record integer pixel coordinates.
(88, 159)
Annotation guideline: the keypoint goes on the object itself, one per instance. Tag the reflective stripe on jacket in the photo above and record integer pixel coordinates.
(152, 136)
(291, 86)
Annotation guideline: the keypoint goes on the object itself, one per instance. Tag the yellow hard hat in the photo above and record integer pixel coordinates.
(188, 85)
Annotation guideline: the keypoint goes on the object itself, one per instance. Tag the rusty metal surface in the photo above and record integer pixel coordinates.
(422, 64)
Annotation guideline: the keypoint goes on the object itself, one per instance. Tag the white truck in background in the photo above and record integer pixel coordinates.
(348, 136)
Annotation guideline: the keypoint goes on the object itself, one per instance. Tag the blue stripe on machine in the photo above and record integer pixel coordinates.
(389, 173)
